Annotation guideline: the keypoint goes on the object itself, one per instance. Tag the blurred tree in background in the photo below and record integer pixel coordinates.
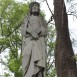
(11, 16)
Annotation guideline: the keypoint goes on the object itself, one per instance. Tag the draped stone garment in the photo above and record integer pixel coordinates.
(33, 50)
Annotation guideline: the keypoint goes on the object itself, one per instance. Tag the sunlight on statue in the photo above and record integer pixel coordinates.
(34, 31)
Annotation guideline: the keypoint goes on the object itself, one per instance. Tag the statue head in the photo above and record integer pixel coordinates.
(34, 8)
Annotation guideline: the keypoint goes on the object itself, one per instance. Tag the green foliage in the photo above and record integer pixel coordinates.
(6, 75)
(11, 16)
(51, 72)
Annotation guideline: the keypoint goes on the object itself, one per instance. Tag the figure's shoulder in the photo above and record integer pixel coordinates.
(25, 19)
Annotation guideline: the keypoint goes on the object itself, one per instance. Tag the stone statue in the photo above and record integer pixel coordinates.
(34, 32)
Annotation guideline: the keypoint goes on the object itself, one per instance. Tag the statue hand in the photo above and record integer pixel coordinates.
(34, 35)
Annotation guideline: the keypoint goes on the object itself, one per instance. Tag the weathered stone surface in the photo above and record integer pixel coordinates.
(34, 31)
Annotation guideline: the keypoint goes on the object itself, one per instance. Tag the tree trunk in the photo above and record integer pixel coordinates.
(64, 56)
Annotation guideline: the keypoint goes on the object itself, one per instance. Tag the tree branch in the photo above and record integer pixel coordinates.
(51, 13)
(73, 15)
(49, 7)
(15, 29)
(72, 5)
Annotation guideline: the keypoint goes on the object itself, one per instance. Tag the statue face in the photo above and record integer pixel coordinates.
(35, 8)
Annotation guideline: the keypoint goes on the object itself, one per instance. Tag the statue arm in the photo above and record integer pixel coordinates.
(23, 27)
(32, 33)
(25, 30)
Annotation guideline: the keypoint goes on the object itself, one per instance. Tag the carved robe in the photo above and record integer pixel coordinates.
(34, 50)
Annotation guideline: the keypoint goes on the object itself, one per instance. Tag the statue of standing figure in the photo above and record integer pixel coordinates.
(34, 31)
